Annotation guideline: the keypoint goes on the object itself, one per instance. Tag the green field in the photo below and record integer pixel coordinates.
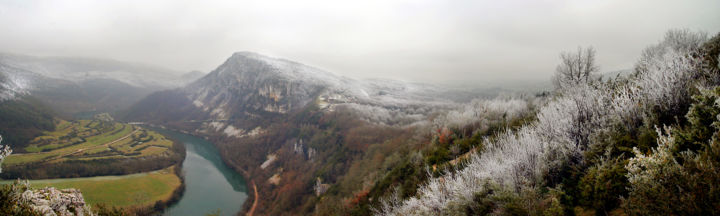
(89, 140)
(136, 190)
(105, 144)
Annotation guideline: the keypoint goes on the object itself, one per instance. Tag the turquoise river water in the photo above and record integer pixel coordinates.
(210, 185)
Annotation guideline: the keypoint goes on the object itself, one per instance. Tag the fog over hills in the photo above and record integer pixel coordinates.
(249, 82)
(79, 69)
(357, 108)
(75, 85)
(299, 133)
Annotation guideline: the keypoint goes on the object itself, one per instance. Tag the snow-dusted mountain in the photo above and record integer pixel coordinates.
(250, 82)
(12, 84)
(81, 69)
(255, 107)
(76, 85)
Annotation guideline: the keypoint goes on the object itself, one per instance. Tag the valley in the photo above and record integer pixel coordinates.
(210, 185)
(75, 148)
(260, 134)
(113, 164)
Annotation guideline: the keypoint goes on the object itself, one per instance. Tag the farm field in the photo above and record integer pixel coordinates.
(90, 140)
(134, 190)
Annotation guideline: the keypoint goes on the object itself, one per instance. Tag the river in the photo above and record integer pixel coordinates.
(210, 185)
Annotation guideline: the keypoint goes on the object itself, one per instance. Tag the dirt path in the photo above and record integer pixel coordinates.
(255, 201)
(121, 138)
(103, 145)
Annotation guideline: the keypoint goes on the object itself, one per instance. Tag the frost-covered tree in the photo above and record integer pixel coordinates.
(575, 68)
(566, 128)
(4, 152)
(676, 40)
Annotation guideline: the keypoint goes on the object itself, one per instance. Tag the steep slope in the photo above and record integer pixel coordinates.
(14, 82)
(637, 145)
(79, 69)
(21, 114)
(252, 86)
(22, 120)
(295, 124)
(72, 86)
(253, 83)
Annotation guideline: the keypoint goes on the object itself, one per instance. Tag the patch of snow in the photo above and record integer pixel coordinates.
(198, 103)
(217, 125)
(232, 131)
(219, 112)
(270, 159)
(275, 179)
(255, 132)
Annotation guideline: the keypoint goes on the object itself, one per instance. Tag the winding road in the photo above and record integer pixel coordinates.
(255, 201)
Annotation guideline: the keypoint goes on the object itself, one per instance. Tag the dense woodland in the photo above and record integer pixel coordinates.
(97, 167)
(25, 119)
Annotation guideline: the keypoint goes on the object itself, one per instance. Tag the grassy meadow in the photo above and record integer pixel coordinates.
(135, 190)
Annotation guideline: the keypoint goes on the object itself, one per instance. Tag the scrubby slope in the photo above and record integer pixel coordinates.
(574, 155)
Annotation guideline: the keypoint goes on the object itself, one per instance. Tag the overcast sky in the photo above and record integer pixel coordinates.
(415, 40)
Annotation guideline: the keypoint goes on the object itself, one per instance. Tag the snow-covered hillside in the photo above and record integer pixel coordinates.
(14, 82)
(81, 69)
(256, 82)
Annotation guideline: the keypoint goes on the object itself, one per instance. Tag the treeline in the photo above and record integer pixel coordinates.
(24, 118)
(95, 167)
(103, 209)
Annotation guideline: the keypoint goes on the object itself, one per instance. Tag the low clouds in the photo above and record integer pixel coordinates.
(430, 41)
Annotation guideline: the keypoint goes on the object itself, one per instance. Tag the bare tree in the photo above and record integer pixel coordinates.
(575, 68)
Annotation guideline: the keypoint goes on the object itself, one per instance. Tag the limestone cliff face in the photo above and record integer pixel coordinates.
(249, 90)
(249, 82)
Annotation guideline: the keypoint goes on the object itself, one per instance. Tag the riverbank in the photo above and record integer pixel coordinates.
(147, 192)
(210, 184)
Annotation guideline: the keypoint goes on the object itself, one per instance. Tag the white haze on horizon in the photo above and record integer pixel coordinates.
(426, 41)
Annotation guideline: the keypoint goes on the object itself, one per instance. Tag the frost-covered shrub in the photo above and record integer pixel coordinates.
(668, 81)
(662, 183)
(4, 152)
(644, 171)
(676, 40)
(10, 202)
(566, 127)
(602, 184)
(478, 111)
(679, 177)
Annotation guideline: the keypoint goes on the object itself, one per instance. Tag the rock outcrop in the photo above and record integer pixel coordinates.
(51, 201)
